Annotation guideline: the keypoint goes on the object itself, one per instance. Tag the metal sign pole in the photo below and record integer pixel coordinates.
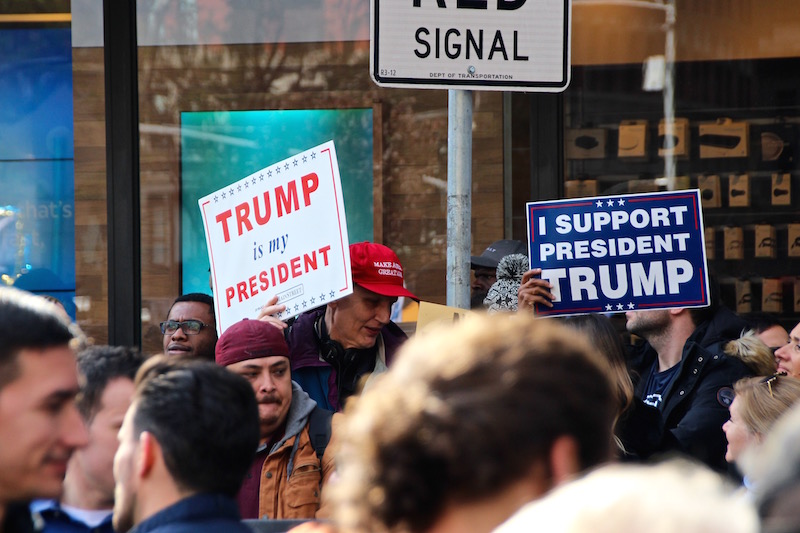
(459, 196)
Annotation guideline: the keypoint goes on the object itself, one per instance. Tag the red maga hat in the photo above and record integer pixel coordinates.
(377, 268)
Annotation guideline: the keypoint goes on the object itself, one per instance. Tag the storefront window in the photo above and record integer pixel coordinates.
(722, 75)
(37, 209)
(229, 87)
(665, 95)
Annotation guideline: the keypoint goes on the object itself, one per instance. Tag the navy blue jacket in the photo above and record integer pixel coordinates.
(201, 513)
(56, 520)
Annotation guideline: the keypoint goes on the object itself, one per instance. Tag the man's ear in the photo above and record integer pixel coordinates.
(564, 461)
(149, 453)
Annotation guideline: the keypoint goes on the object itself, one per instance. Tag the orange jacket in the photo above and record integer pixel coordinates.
(295, 494)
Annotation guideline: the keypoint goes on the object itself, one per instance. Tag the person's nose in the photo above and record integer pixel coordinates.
(178, 334)
(74, 433)
(266, 384)
(384, 313)
(780, 353)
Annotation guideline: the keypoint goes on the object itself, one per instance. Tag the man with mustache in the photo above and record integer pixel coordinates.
(291, 464)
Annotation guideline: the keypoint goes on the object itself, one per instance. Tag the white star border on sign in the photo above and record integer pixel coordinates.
(619, 307)
(609, 203)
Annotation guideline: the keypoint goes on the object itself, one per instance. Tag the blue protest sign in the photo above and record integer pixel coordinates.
(620, 253)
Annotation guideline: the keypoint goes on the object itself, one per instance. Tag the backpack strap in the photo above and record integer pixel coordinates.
(319, 429)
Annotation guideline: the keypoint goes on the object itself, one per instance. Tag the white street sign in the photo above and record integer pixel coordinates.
(509, 45)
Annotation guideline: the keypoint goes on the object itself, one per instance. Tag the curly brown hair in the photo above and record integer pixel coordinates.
(465, 412)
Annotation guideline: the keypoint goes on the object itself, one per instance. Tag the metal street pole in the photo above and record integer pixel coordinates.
(459, 196)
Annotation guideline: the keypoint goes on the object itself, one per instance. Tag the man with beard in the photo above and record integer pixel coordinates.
(293, 459)
(184, 447)
(190, 328)
(683, 382)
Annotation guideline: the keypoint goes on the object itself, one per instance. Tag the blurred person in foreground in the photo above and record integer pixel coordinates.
(107, 374)
(185, 445)
(472, 422)
(675, 496)
(40, 426)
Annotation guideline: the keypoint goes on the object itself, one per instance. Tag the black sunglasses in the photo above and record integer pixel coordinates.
(189, 327)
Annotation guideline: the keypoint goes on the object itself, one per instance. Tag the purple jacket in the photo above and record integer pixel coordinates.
(314, 375)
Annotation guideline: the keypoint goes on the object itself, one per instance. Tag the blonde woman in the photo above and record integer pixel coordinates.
(757, 404)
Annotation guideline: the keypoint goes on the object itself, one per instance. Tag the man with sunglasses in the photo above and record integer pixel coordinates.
(190, 328)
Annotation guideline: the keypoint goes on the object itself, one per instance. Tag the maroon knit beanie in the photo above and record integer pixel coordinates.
(250, 339)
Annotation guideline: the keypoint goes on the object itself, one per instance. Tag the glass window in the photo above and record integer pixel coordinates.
(37, 210)
(680, 94)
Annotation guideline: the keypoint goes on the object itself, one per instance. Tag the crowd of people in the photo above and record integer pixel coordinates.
(335, 421)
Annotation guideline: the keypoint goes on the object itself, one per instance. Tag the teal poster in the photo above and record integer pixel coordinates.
(221, 147)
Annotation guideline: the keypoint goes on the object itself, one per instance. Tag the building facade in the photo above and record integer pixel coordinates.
(218, 89)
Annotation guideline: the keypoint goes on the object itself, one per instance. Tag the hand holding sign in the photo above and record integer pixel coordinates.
(271, 311)
(533, 290)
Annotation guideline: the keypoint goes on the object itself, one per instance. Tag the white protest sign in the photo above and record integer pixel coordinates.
(279, 231)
